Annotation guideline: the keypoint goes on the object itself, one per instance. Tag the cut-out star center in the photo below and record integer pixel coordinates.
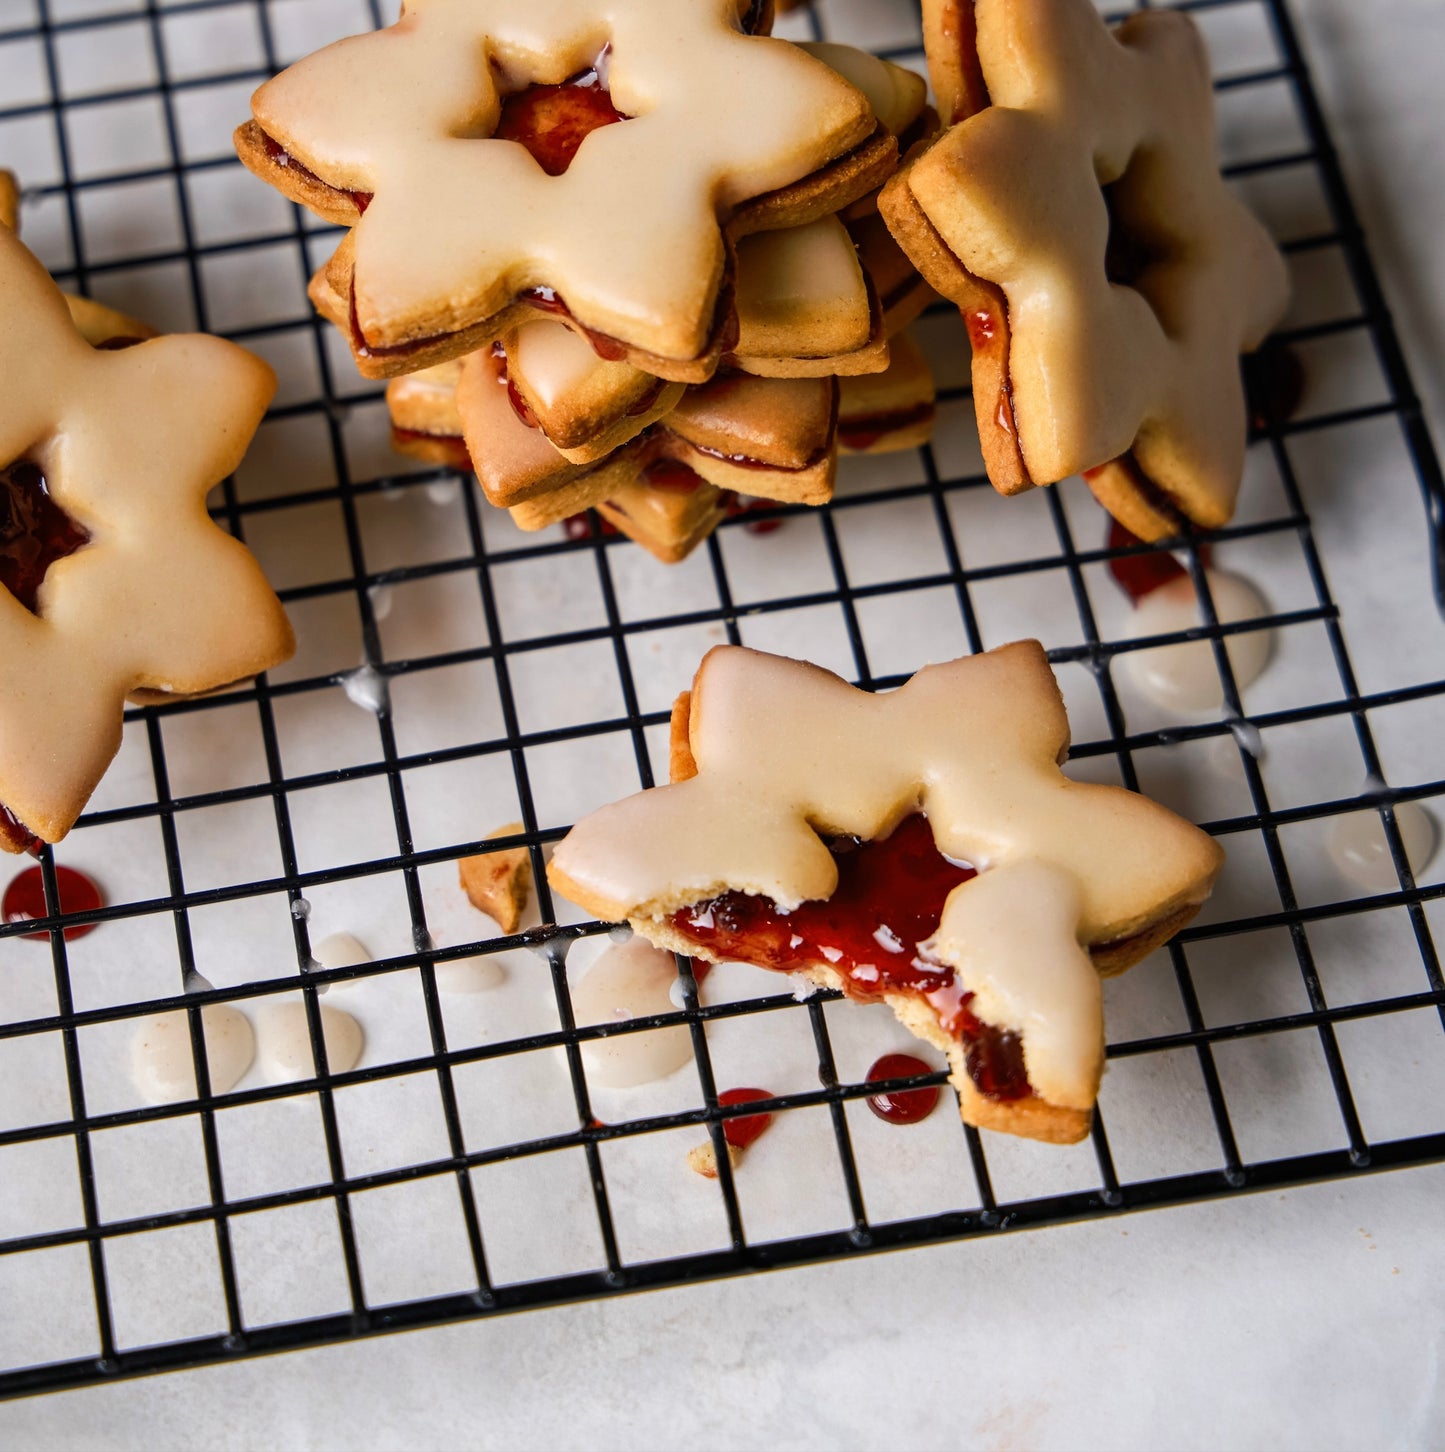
(35, 532)
(552, 122)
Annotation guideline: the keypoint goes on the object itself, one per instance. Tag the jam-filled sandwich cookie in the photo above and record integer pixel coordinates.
(884, 413)
(113, 577)
(1108, 277)
(921, 847)
(594, 160)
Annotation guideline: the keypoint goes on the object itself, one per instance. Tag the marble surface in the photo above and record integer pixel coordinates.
(1305, 1319)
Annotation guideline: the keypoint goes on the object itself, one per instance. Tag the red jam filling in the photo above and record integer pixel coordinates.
(1140, 575)
(553, 121)
(283, 158)
(888, 901)
(746, 1128)
(35, 532)
(902, 1106)
(982, 327)
(579, 526)
(864, 430)
(24, 900)
(736, 506)
(14, 832)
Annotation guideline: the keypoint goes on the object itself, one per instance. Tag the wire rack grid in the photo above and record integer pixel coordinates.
(1258, 1050)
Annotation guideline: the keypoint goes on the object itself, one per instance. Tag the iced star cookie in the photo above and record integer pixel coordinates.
(920, 847)
(590, 159)
(1109, 279)
(113, 577)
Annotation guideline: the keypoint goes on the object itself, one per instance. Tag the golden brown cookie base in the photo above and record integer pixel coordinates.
(950, 40)
(985, 312)
(498, 883)
(449, 451)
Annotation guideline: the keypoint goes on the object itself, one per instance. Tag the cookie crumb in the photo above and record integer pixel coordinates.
(498, 883)
(702, 1158)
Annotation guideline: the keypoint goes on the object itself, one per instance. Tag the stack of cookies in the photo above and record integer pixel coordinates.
(661, 283)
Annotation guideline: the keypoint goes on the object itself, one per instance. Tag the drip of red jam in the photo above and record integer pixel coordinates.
(746, 1128)
(35, 532)
(24, 900)
(902, 1106)
(17, 834)
(579, 526)
(1140, 575)
(888, 901)
(553, 121)
(864, 430)
(736, 506)
(982, 327)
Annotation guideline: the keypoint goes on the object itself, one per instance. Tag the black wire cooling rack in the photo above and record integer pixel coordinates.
(64, 1281)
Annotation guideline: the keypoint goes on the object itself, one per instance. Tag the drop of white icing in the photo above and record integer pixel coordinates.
(622, 933)
(160, 1053)
(366, 688)
(442, 491)
(1361, 851)
(381, 598)
(301, 910)
(470, 975)
(197, 982)
(340, 950)
(286, 1041)
(630, 980)
(1184, 677)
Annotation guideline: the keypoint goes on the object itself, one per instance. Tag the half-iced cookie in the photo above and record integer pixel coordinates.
(922, 848)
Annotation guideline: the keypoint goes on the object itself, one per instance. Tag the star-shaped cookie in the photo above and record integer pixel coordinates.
(113, 577)
(1109, 278)
(691, 134)
(921, 847)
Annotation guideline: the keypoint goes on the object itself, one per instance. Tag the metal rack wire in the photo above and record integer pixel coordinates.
(144, 35)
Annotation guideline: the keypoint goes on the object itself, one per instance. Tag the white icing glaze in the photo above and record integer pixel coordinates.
(163, 1066)
(1011, 934)
(555, 361)
(630, 980)
(341, 950)
(897, 96)
(1097, 369)
(470, 975)
(285, 1041)
(786, 751)
(129, 443)
(1184, 677)
(1360, 850)
(406, 113)
(366, 687)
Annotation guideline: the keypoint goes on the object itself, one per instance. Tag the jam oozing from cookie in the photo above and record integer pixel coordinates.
(552, 122)
(16, 836)
(35, 532)
(901, 1106)
(889, 899)
(746, 1128)
(579, 526)
(283, 158)
(24, 900)
(1140, 575)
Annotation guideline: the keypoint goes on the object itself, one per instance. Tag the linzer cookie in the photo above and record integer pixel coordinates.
(921, 848)
(113, 577)
(1109, 278)
(592, 160)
